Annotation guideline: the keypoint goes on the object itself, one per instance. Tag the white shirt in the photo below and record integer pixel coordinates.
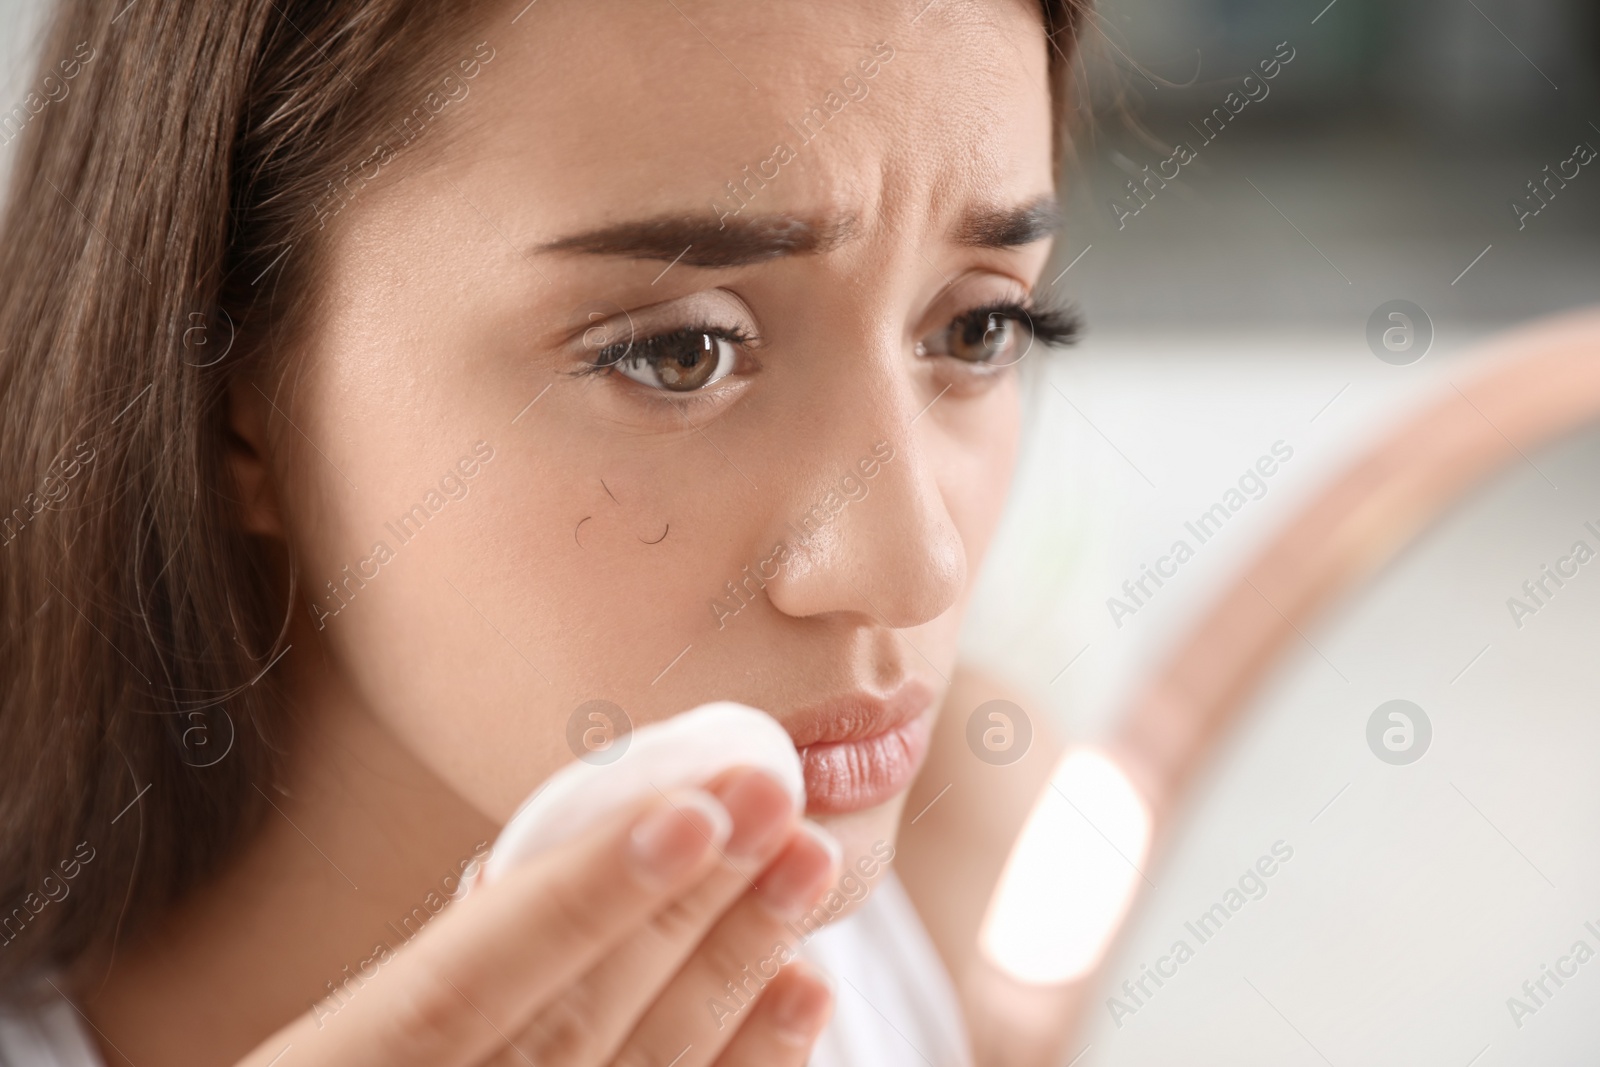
(893, 1001)
(52, 1036)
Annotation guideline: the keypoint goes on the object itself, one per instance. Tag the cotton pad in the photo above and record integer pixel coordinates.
(686, 750)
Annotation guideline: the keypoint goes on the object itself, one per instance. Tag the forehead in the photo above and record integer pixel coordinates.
(883, 111)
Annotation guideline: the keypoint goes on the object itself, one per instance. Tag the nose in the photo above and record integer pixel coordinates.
(870, 533)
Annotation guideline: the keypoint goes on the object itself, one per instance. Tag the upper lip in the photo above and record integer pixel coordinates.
(857, 715)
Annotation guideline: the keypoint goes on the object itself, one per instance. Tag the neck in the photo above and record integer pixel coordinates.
(360, 847)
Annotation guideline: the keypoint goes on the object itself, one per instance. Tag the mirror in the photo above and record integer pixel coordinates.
(1391, 858)
(1388, 857)
(1370, 769)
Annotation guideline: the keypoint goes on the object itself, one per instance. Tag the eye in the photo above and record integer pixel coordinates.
(998, 335)
(989, 336)
(682, 361)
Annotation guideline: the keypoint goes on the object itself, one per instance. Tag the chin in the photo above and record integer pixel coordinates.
(867, 845)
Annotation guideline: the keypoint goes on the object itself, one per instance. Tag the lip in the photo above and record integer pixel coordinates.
(861, 749)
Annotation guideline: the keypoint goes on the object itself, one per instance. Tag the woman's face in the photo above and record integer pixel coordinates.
(672, 379)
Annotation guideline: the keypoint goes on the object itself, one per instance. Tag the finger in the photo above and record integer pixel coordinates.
(587, 1023)
(709, 998)
(488, 963)
(785, 1022)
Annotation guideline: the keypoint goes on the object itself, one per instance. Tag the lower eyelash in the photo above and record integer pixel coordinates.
(607, 358)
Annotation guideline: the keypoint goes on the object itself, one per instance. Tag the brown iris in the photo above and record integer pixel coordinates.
(687, 364)
(982, 340)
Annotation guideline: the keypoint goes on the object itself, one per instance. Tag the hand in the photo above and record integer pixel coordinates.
(608, 949)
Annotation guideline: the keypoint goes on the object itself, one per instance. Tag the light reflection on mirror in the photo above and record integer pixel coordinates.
(1337, 905)
(1072, 873)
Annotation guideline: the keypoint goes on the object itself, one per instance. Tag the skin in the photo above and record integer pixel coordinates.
(582, 560)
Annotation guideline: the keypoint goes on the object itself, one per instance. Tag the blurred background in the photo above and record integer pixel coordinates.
(1227, 309)
(1227, 312)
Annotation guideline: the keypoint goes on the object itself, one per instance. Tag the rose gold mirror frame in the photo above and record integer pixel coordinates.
(1535, 385)
(1541, 382)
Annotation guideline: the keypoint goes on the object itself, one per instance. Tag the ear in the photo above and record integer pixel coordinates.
(247, 452)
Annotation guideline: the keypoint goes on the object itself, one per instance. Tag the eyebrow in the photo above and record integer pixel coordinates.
(702, 242)
(1010, 227)
(732, 242)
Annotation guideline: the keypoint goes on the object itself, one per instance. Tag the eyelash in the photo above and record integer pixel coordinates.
(1051, 326)
(608, 357)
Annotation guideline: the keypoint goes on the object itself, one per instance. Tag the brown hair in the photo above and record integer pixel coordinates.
(159, 241)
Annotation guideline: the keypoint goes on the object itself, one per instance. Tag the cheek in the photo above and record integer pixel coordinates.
(404, 586)
(981, 455)
(569, 572)
(974, 453)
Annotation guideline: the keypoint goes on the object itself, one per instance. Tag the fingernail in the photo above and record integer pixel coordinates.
(800, 1007)
(670, 840)
(762, 811)
(801, 873)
